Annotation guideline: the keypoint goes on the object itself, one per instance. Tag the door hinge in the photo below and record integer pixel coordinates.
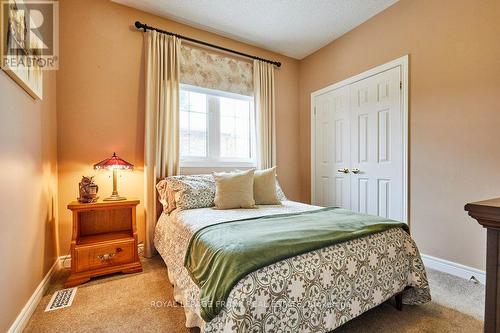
(315, 111)
(400, 84)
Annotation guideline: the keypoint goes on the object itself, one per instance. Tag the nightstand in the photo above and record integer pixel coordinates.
(104, 240)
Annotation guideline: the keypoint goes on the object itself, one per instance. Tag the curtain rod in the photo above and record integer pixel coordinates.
(146, 27)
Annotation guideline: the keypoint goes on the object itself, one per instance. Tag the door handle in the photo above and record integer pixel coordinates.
(345, 170)
(356, 171)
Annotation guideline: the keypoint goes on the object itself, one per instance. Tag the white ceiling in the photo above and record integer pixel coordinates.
(295, 28)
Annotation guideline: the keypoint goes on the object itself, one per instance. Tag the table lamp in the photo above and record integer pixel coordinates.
(114, 163)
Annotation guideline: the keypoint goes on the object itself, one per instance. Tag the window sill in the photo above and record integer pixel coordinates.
(217, 164)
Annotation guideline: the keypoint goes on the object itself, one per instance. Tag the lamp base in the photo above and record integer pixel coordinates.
(114, 198)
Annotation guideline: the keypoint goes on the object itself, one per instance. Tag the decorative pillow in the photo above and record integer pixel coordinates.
(165, 196)
(264, 187)
(161, 187)
(279, 192)
(234, 190)
(187, 192)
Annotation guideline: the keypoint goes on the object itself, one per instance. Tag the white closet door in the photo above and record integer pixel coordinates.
(377, 145)
(332, 150)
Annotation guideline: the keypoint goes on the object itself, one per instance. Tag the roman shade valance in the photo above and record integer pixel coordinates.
(211, 70)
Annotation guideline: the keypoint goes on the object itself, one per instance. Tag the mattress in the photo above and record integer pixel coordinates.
(313, 292)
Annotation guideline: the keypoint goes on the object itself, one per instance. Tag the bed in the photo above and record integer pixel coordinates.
(315, 291)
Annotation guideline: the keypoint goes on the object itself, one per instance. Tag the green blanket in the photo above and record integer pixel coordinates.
(220, 255)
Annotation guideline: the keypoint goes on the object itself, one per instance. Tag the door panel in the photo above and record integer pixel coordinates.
(339, 152)
(362, 199)
(362, 139)
(322, 152)
(325, 191)
(383, 136)
(332, 149)
(383, 197)
(377, 145)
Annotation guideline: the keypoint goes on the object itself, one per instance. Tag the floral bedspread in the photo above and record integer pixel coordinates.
(313, 292)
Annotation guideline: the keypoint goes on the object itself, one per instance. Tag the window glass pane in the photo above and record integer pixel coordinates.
(227, 135)
(234, 128)
(193, 124)
(184, 100)
(197, 102)
(184, 120)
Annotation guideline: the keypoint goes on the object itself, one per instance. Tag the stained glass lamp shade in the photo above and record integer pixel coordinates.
(114, 163)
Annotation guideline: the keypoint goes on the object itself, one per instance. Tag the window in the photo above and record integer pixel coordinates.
(217, 128)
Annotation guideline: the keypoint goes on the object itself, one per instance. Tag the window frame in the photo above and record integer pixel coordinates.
(213, 159)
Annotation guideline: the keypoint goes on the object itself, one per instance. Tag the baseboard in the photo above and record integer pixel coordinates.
(453, 268)
(24, 316)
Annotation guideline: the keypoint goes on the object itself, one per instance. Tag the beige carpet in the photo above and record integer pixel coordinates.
(122, 303)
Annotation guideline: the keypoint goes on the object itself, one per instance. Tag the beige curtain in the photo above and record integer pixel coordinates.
(263, 84)
(161, 142)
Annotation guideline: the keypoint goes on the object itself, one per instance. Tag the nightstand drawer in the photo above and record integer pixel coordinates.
(101, 256)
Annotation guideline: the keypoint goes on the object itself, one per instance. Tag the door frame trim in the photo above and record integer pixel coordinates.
(404, 63)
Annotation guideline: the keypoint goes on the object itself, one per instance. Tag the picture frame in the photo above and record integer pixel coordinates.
(15, 54)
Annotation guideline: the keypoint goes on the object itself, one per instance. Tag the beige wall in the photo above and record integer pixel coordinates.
(28, 174)
(100, 99)
(454, 110)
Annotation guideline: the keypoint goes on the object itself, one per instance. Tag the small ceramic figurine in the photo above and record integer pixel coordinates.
(88, 190)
